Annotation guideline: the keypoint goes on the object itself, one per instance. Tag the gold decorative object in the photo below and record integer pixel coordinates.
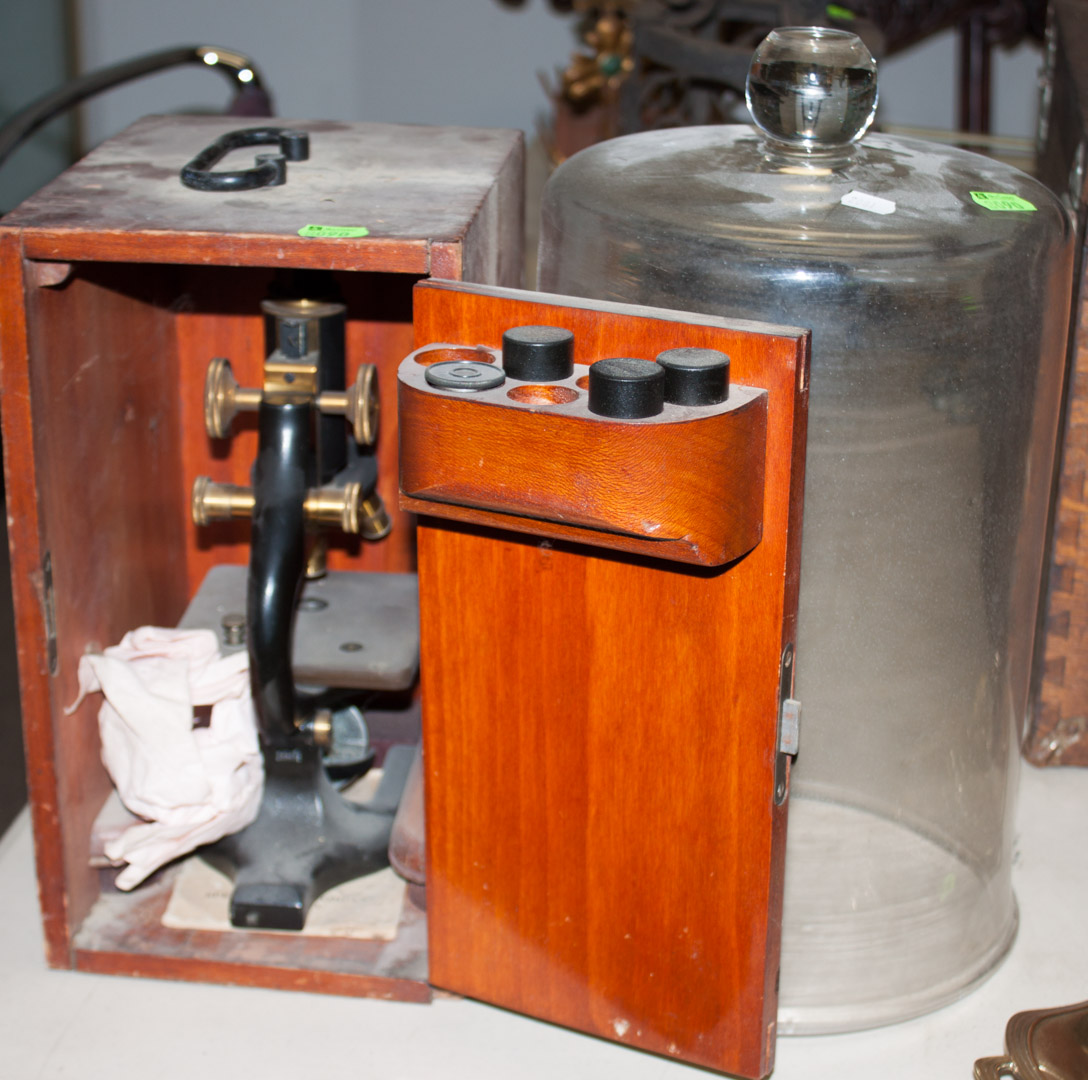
(589, 78)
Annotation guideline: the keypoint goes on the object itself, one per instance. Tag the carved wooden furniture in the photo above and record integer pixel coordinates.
(1058, 734)
(118, 286)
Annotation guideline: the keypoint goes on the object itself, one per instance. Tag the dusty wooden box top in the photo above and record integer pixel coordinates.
(406, 184)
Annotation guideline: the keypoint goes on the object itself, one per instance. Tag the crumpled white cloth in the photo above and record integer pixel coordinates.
(192, 785)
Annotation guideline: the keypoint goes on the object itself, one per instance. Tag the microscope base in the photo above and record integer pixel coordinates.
(306, 840)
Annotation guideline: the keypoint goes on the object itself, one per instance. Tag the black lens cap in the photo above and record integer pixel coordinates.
(626, 389)
(695, 376)
(538, 353)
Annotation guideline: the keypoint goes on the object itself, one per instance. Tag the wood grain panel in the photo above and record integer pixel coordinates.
(24, 525)
(604, 850)
(110, 491)
(391, 256)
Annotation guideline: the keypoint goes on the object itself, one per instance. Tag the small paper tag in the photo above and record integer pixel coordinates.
(862, 200)
(333, 231)
(998, 200)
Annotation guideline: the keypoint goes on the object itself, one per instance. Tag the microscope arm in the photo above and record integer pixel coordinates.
(276, 566)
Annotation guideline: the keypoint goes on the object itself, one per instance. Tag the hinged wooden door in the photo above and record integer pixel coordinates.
(601, 689)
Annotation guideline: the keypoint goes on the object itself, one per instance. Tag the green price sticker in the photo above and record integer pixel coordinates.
(834, 11)
(335, 232)
(998, 200)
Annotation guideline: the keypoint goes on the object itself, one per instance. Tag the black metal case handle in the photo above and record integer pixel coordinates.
(270, 170)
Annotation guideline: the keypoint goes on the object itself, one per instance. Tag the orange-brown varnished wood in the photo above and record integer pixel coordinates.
(23, 510)
(603, 846)
(398, 257)
(119, 285)
(687, 483)
(106, 445)
(40, 274)
(445, 261)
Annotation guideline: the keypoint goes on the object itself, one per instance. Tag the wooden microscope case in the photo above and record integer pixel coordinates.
(604, 666)
(118, 285)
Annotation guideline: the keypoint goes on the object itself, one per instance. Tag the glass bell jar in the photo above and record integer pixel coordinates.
(936, 286)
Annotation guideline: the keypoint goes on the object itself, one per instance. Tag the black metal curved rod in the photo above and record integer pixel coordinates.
(277, 563)
(241, 71)
(269, 170)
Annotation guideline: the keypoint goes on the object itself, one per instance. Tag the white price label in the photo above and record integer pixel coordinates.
(862, 200)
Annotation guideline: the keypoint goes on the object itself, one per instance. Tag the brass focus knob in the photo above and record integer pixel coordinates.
(219, 502)
(335, 506)
(343, 507)
(346, 507)
(358, 404)
(363, 405)
(224, 398)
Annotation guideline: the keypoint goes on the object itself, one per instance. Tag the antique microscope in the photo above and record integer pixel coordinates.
(308, 476)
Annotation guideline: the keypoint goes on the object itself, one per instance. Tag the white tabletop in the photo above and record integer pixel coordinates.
(57, 1024)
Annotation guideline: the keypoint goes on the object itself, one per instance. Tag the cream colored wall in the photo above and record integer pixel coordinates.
(469, 62)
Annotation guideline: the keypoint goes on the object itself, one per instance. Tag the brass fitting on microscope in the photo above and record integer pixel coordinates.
(339, 507)
(291, 375)
(318, 727)
(224, 398)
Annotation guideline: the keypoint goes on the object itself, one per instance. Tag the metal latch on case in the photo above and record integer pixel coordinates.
(789, 728)
(789, 737)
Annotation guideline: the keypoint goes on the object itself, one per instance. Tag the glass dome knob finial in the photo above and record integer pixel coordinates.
(812, 91)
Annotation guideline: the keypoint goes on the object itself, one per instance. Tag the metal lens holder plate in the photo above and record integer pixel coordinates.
(467, 376)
